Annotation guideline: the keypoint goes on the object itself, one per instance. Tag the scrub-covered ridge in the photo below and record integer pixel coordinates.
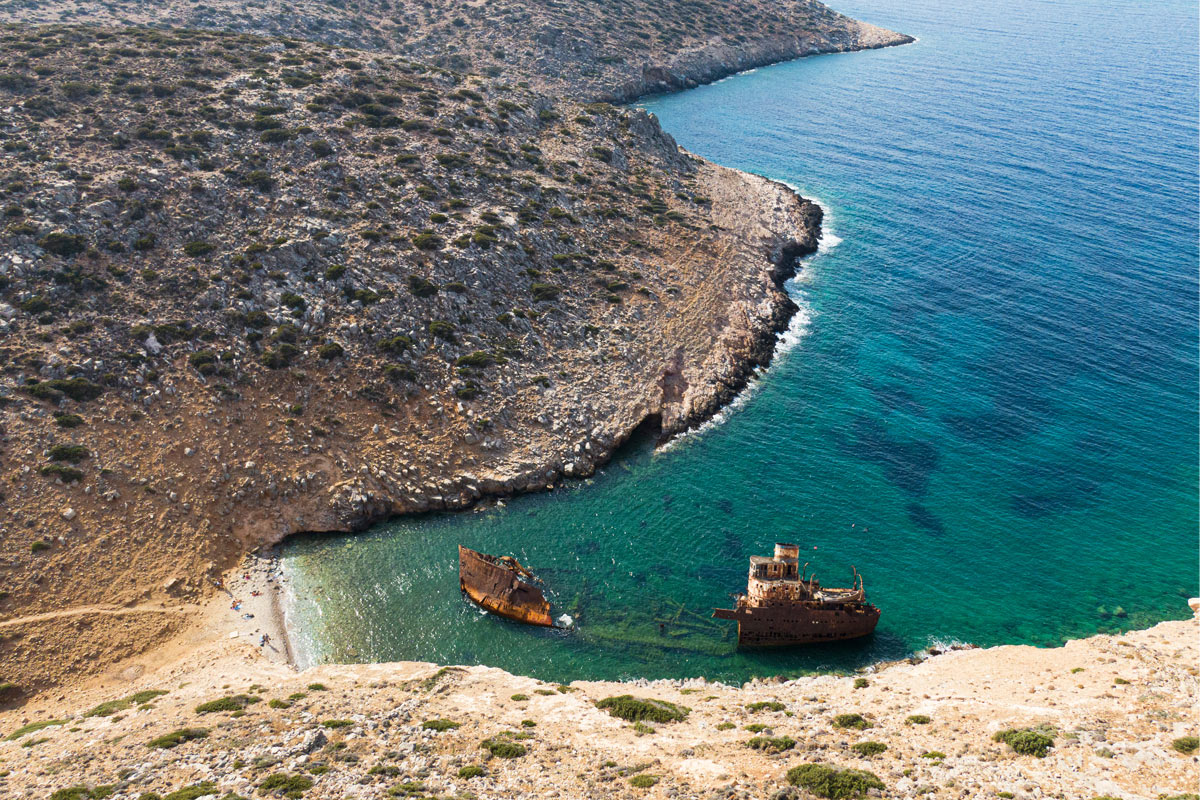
(253, 284)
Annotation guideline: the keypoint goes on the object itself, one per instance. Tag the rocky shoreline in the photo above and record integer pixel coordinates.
(1104, 716)
(219, 341)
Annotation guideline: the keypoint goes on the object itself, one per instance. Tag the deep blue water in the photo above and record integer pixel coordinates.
(992, 406)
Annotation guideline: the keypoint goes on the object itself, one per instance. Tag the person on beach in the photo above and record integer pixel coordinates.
(266, 637)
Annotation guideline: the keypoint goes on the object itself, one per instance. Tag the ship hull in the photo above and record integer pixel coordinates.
(497, 590)
(782, 626)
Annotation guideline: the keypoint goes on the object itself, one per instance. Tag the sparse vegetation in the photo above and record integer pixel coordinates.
(771, 744)
(235, 702)
(176, 738)
(851, 721)
(833, 783)
(1186, 744)
(1026, 741)
(636, 709)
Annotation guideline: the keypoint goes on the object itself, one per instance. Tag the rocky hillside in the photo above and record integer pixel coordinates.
(589, 50)
(1108, 717)
(253, 284)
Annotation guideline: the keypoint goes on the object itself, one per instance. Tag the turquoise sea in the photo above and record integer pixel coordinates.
(988, 403)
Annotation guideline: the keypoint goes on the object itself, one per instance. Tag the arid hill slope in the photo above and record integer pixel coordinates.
(611, 50)
(1109, 717)
(254, 285)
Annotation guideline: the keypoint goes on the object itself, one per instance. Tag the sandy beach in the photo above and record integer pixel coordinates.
(254, 607)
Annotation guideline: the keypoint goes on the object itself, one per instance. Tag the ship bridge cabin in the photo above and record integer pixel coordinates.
(778, 579)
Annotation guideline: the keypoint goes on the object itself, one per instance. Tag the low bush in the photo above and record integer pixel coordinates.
(1026, 741)
(543, 292)
(1186, 744)
(502, 748)
(176, 738)
(771, 744)
(235, 702)
(290, 786)
(33, 727)
(636, 709)
(854, 721)
(470, 771)
(833, 783)
(334, 724)
(113, 706)
(63, 244)
(643, 781)
(73, 453)
(868, 749)
(198, 248)
(421, 287)
(330, 350)
(62, 472)
(917, 719)
(766, 705)
(440, 725)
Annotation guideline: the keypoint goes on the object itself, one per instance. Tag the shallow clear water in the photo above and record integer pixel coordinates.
(991, 410)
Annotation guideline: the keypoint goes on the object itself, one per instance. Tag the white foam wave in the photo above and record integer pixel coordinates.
(828, 239)
(797, 328)
(786, 341)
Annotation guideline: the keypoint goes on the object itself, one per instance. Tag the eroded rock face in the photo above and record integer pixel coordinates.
(276, 286)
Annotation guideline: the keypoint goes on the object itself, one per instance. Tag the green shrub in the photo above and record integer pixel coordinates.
(440, 725)
(935, 755)
(275, 702)
(321, 148)
(73, 453)
(330, 351)
(1026, 741)
(38, 545)
(771, 744)
(290, 786)
(316, 687)
(334, 724)
(726, 726)
(470, 771)
(275, 135)
(197, 248)
(64, 473)
(479, 358)
(68, 420)
(235, 702)
(442, 330)
(855, 721)
(543, 292)
(427, 241)
(643, 781)
(636, 709)
(868, 749)
(113, 706)
(833, 783)
(917, 719)
(279, 356)
(395, 345)
(33, 727)
(502, 748)
(766, 705)
(520, 698)
(176, 738)
(1186, 744)
(421, 287)
(63, 244)
(194, 791)
(80, 389)
(861, 683)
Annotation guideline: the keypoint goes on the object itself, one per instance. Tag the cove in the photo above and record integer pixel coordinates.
(988, 404)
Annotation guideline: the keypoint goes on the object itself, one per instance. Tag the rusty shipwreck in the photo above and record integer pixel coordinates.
(783, 605)
(500, 585)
